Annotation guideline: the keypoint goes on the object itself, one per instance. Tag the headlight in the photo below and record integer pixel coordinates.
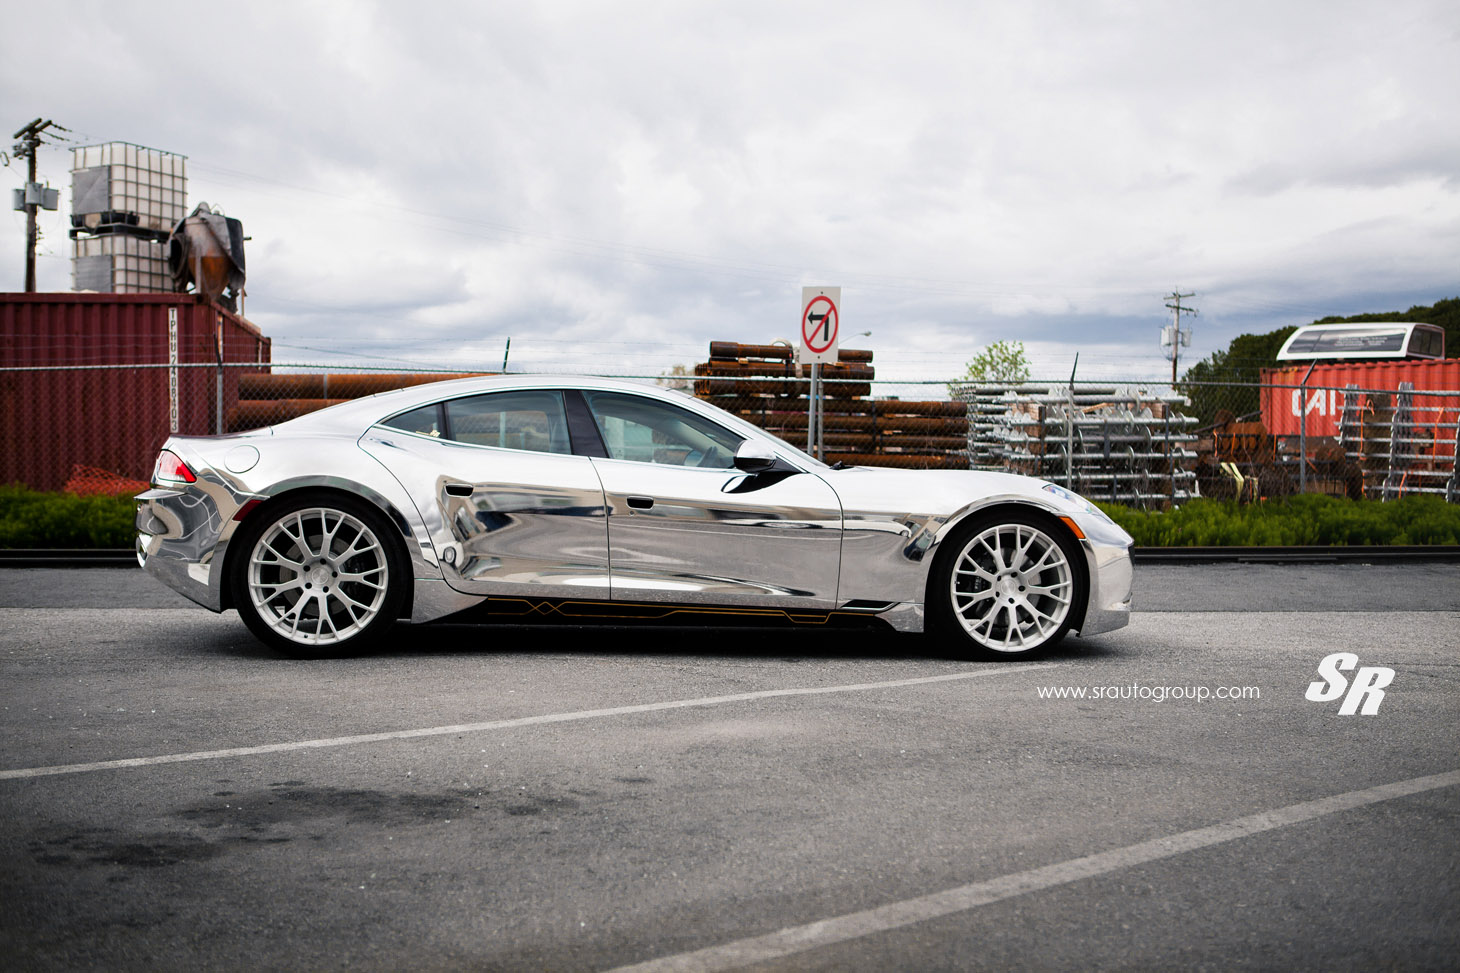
(1074, 500)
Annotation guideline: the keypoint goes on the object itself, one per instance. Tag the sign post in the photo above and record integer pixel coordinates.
(821, 311)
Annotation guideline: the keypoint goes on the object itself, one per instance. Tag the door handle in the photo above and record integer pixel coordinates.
(458, 489)
(641, 503)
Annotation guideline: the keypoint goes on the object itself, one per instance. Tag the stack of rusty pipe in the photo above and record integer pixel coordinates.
(264, 398)
(763, 385)
(735, 371)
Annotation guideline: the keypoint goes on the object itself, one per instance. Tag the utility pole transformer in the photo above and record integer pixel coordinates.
(1172, 336)
(34, 196)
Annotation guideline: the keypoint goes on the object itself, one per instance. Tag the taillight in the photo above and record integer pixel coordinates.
(171, 469)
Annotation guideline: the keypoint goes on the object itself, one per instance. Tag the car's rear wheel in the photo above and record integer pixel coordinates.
(1008, 583)
(318, 575)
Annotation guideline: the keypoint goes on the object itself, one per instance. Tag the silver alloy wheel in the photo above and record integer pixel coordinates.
(1012, 586)
(318, 576)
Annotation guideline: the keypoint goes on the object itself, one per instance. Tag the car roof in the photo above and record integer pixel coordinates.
(357, 414)
(354, 417)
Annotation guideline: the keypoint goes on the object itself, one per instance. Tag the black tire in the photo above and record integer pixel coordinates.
(1006, 584)
(318, 575)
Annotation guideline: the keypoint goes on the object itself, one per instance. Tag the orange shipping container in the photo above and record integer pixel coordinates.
(1285, 396)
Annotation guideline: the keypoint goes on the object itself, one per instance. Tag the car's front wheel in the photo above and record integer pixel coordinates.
(319, 575)
(1008, 583)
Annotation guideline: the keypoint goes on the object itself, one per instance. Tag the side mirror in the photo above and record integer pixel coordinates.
(752, 456)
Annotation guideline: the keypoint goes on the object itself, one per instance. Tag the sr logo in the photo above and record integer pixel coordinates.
(1368, 687)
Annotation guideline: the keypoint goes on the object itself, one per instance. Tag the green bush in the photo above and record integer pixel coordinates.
(1308, 519)
(32, 519)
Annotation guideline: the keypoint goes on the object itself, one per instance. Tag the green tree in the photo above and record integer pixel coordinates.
(1228, 379)
(1002, 362)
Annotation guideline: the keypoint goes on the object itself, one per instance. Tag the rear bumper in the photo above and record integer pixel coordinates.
(179, 543)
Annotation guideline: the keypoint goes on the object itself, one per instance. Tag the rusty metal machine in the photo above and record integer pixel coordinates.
(206, 251)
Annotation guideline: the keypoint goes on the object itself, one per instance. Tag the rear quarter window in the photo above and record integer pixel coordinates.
(426, 421)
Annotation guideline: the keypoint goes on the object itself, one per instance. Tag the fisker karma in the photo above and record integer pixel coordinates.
(529, 497)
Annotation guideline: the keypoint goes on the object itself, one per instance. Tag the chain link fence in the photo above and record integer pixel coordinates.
(98, 428)
(1150, 444)
(1123, 443)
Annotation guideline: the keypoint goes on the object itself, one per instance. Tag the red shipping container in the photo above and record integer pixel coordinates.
(1323, 393)
(56, 414)
(1322, 397)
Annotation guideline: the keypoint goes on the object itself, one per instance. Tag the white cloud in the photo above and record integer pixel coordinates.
(651, 175)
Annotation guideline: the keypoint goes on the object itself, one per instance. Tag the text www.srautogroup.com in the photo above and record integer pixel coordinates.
(1156, 694)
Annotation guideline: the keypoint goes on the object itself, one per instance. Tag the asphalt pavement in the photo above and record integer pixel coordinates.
(479, 797)
(1160, 587)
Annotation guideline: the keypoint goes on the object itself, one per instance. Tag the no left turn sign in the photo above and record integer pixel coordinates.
(820, 323)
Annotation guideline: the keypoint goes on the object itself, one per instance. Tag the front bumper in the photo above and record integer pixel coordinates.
(1112, 579)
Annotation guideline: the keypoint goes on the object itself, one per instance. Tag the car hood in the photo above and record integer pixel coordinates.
(936, 498)
(929, 491)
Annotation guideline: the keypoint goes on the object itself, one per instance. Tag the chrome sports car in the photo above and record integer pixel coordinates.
(578, 498)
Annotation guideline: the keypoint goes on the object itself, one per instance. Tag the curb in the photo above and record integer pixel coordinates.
(1358, 554)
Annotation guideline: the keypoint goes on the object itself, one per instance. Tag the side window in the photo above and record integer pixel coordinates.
(649, 431)
(1427, 342)
(426, 420)
(531, 419)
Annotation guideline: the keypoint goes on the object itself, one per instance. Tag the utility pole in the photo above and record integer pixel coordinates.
(1174, 337)
(35, 196)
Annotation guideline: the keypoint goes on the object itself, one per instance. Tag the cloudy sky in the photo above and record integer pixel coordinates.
(613, 185)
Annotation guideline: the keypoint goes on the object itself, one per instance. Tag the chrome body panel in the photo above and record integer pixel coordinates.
(895, 521)
(183, 532)
(435, 599)
(721, 537)
(1112, 578)
(906, 617)
(198, 518)
(176, 536)
(503, 520)
(480, 521)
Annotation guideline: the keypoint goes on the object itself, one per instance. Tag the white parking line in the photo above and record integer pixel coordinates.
(895, 915)
(591, 714)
